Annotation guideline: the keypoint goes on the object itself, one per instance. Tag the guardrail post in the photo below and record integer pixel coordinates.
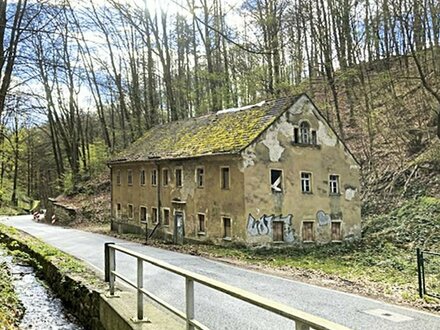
(112, 268)
(106, 261)
(140, 285)
(189, 287)
(419, 272)
(301, 326)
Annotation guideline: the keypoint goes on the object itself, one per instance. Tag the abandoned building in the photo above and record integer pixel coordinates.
(273, 172)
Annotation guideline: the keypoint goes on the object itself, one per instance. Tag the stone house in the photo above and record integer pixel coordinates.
(273, 172)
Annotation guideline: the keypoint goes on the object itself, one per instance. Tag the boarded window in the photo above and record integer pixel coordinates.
(154, 177)
(142, 177)
(276, 180)
(306, 182)
(227, 228)
(130, 211)
(165, 177)
(307, 232)
(179, 179)
(166, 217)
(118, 178)
(154, 215)
(200, 177)
(143, 214)
(201, 218)
(336, 231)
(304, 131)
(334, 184)
(278, 231)
(130, 177)
(225, 177)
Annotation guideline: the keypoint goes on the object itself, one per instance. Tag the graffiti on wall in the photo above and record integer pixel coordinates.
(323, 218)
(263, 226)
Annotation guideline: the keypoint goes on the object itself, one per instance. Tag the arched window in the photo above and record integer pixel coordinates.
(304, 132)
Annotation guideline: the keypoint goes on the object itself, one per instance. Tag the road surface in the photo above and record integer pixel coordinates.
(219, 311)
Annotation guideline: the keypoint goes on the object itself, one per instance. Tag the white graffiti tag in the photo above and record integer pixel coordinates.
(263, 226)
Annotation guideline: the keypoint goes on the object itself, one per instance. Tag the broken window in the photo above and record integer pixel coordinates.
(306, 182)
(200, 176)
(130, 211)
(201, 218)
(143, 214)
(334, 184)
(307, 232)
(155, 215)
(166, 217)
(304, 130)
(278, 231)
(336, 231)
(153, 177)
(314, 138)
(142, 177)
(225, 177)
(179, 180)
(129, 177)
(165, 177)
(118, 177)
(227, 228)
(276, 178)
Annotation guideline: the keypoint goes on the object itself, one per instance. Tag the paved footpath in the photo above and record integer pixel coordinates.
(219, 311)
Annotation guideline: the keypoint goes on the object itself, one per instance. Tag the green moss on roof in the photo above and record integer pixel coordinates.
(217, 133)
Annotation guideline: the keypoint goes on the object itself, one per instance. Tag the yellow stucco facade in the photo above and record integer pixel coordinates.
(294, 183)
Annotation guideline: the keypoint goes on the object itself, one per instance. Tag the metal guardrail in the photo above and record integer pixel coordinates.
(303, 320)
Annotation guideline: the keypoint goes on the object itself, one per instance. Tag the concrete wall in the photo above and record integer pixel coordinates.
(210, 200)
(275, 150)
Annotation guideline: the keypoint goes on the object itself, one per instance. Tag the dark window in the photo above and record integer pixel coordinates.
(154, 215)
(165, 177)
(142, 177)
(200, 176)
(314, 139)
(130, 177)
(306, 182)
(304, 130)
(118, 178)
(307, 232)
(130, 211)
(334, 184)
(201, 222)
(336, 231)
(225, 177)
(278, 231)
(118, 209)
(154, 177)
(295, 135)
(276, 181)
(226, 228)
(143, 214)
(179, 180)
(166, 217)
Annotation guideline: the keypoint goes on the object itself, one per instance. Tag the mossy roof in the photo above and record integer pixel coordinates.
(224, 132)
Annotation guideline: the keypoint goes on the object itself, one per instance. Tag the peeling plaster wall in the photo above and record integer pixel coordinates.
(210, 200)
(275, 150)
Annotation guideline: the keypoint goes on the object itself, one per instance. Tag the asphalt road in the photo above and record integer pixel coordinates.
(219, 311)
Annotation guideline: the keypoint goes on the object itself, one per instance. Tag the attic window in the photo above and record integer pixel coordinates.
(154, 177)
(200, 177)
(142, 177)
(165, 177)
(118, 177)
(130, 177)
(304, 131)
(276, 180)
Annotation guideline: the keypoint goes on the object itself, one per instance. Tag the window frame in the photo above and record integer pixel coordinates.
(282, 231)
(199, 231)
(340, 230)
(154, 215)
(226, 238)
(305, 132)
(163, 216)
(129, 177)
(167, 177)
(153, 177)
(313, 231)
(281, 183)
(140, 214)
(142, 177)
(179, 168)
(310, 180)
(118, 177)
(130, 209)
(118, 212)
(330, 181)
(197, 177)
(222, 186)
